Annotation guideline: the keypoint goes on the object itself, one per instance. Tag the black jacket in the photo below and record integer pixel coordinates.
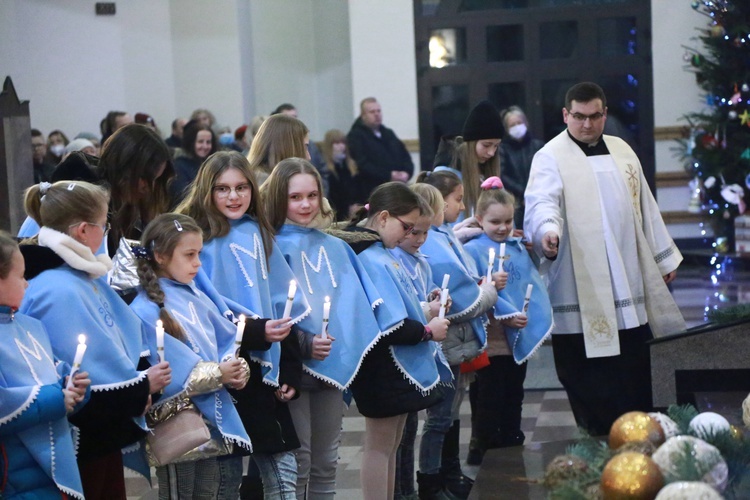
(376, 157)
(267, 420)
(515, 163)
(380, 389)
(185, 170)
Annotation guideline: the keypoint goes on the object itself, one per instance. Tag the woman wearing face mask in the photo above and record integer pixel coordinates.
(516, 153)
(56, 142)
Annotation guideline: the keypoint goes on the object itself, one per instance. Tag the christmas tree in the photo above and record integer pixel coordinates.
(717, 152)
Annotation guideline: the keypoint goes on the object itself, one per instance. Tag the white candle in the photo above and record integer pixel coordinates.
(527, 299)
(77, 359)
(240, 332)
(326, 315)
(160, 339)
(502, 256)
(290, 299)
(443, 302)
(490, 264)
(446, 278)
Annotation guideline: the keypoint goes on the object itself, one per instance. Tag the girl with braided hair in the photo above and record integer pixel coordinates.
(200, 347)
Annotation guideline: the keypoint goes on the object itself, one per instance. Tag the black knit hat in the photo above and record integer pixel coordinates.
(483, 123)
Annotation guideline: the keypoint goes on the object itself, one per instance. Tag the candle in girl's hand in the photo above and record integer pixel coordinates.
(80, 350)
(502, 256)
(443, 302)
(326, 314)
(290, 299)
(527, 299)
(240, 332)
(491, 263)
(160, 339)
(446, 278)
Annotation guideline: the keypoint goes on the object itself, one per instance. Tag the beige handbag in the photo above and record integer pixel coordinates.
(180, 433)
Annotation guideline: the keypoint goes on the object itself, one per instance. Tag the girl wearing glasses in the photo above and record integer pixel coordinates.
(439, 465)
(328, 269)
(401, 372)
(247, 268)
(69, 294)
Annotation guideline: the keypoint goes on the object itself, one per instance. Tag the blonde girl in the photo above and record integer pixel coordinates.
(200, 345)
(69, 294)
(279, 137)
(328, 270)
(245, 266)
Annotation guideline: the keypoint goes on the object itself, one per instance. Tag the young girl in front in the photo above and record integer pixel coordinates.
(202, 357)
(466, 337)
(247, 268)
(69, 294)
(330, 272)
(37, 455)
(400, 374)
(516, 328)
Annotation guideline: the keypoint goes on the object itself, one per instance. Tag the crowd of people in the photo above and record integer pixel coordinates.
(236, 290)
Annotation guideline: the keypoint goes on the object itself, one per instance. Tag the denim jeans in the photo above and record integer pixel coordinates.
(230, 477)
(279, 474)
(436, 426)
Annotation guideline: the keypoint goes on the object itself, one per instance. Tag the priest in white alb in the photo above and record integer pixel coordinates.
(607, 258)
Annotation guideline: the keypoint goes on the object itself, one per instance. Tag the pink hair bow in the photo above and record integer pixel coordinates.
(493, 182)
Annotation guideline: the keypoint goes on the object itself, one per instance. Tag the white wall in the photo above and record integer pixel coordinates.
(74, 66)
(384, 62)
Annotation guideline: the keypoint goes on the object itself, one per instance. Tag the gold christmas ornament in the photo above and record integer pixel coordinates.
(635, 426)
(563, 468)
(631, 476)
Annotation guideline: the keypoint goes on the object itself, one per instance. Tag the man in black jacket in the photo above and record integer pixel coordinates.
(380, 155)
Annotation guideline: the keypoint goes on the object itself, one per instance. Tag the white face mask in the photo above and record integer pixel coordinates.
(57, 149)
(517, 131)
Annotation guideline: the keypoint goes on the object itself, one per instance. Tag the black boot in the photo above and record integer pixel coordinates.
(430, 487)
(455, 482)
(476, 452)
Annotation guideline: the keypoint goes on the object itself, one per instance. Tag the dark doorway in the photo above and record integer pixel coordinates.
(527, 53)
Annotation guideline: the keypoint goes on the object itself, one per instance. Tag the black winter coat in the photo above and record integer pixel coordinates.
(376, 157)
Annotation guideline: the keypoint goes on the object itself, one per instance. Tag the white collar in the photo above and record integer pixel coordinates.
(75, 254)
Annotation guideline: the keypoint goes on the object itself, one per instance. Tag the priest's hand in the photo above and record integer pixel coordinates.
(669, 277)
(550, 242)
(277, 329)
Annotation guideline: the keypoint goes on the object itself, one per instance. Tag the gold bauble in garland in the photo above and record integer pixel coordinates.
(635, 426)
(631, 476)
(564, 468)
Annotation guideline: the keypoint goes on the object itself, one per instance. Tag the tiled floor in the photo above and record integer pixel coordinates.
(546, 412)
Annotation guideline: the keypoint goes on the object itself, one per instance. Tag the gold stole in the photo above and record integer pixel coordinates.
(587, 248)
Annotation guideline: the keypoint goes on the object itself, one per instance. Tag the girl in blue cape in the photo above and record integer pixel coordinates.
(37, 454)
(399, 374)
(467, 336)
(203, 358)
(415, 265)
(69, 294)
(330, 273)
(517, 327)
(247, 268)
